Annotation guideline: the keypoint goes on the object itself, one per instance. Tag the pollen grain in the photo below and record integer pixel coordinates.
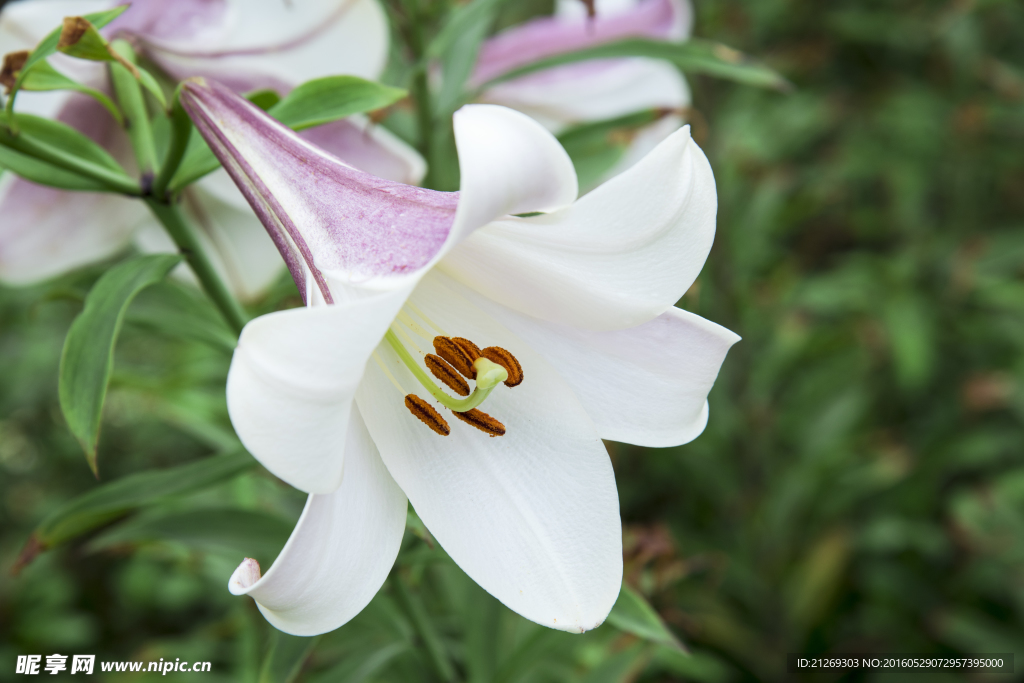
(426, 414)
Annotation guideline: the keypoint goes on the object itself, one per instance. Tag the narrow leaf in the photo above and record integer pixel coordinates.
(60, 145)
(110, 501)
(285, 658)
(331, 98)
(632, 614)
(148, 82)
(43, 77)
(79, 38)
(88, 356)
(43, 173)
(462, 20)
(242, 533)
(693, 56)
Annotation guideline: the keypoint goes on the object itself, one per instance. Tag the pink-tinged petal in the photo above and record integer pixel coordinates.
(531, 516)
(26, 23)
(620, 256)
(646, 385)
(45, 232)
(289, 42)
(340, 552)
(369, 148)
(323, 214)
(548, 36)
(593, 91)
(182, 21)
(292, 380)
(360, 232)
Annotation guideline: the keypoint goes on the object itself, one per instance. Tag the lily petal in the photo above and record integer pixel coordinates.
(292, 380)
(281, 40)
(646, 385)
(547, 36)
(340, 552)
(369, 148)
(620, 256)
(365, 233)
(531, 516)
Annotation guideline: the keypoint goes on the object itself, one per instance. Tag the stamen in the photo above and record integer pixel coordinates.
(455, 355)
(446, 374)
(414, 326)
(506, 360)
(424, 318)
(380, 362)
(409, 340)
(427, 415)
(482, 421)
(488, 376)
(471, 349)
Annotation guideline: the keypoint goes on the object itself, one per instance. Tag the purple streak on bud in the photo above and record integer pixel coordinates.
(322, 214)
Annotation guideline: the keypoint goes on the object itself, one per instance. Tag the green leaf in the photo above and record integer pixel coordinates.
(362, 665)
(182, 312)
(632, 614)
(88, 356)
(247, 533)
(694, 56)
(462, 20)
(58, 144)
(149, 83)
(109, 502)
(48, 45)
(43, 173)
(331, 98)
(457, 46)
(43, 77)
(285, 658)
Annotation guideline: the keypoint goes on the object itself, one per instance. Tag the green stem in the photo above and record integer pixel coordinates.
(133, 104)
(181, 129)
(479, 395)
(424, 629)
(420, 85)
(117, 182)
(181, 232)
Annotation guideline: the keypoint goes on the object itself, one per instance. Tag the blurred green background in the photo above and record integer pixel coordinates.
(860, 485)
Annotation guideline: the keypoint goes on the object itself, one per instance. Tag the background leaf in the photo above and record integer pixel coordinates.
(331, 98)
(632, 614)
(88, 357)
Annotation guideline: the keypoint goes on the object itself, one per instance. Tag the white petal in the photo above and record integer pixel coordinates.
(620, 256)
(509, 164)
(646, 385)
(292, 381)
(593, 91)
(290, 42)
(340, 552)
(45, 232)
(532, 516)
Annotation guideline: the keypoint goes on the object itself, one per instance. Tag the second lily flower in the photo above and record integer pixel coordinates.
(572, 307)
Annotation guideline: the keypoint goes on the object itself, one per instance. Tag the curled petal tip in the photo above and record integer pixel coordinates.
(243, 578)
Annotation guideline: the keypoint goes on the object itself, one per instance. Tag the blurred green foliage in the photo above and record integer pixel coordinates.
(860, 485)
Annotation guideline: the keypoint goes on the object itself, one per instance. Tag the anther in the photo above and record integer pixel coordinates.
(426, 414)
(498, 355)
(455, 355)
(482, 421)
(447, 374)
(471, 349)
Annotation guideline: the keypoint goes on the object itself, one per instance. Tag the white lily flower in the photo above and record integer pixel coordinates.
(251, 44)
(596, 90)
(573, 309)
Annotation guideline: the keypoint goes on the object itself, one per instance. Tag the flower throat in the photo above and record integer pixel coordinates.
(454, 362)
